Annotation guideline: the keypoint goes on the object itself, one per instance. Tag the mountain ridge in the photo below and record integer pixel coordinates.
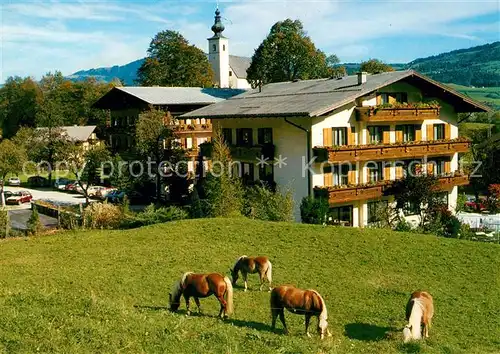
(475, 66)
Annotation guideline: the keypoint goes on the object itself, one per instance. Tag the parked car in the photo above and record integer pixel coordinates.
(19, 198)
(38, 181)
(94, 191)
(79, 188)
(104, 193)
(14, 181)
(61, 183)
(71, 187)
(7, 194)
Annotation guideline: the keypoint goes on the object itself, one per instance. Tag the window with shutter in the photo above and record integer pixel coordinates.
(430, 132)
(327, 137)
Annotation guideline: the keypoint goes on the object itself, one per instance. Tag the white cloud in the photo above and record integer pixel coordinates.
(69, 36)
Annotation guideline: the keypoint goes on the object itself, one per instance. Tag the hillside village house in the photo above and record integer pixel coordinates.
(126, 103)
(356, 134)
(84, 136)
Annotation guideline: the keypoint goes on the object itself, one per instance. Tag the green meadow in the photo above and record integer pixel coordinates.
(107, 291)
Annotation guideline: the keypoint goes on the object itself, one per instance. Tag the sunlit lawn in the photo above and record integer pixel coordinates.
(107, 291)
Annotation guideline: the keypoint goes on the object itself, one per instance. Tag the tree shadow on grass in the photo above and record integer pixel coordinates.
(367, 332)
(254, 325)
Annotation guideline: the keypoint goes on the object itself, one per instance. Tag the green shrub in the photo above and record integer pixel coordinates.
(264, 204)
(152, 215)
(196, 207)
(34, 224)
(4, 223)
(314, 210)
(403, 226)
(69, 220)
(102, 216)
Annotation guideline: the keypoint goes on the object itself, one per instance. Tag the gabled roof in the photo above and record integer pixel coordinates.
(76, 133)
(239, 65)
(311, 98)
(179, 95)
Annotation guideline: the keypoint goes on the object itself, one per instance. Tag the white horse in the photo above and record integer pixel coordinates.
(419, 311)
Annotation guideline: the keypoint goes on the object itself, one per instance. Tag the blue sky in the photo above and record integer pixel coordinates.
(41, 36)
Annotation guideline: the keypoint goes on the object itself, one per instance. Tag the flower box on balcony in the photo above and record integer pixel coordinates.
(390, 151)
(398, 111)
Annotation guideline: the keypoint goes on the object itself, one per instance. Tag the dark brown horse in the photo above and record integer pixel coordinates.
(419, 311)
(200, 286)
(306, 302)
(250, 265)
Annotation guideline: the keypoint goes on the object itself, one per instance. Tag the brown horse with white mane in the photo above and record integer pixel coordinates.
(250, 265)
(306, 302)
(200, 286)
(419, 312)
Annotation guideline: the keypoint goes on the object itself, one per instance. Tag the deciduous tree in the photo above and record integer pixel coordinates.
(288, 54)
(87, 165)
(12, 159)
(172, 61)
(155, 140)
(375, 66)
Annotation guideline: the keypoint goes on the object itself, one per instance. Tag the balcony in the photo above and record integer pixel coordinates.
(448, 182)
(396, 114)
(242, 153)
(391, 151)
(350, 193)
(192, 128)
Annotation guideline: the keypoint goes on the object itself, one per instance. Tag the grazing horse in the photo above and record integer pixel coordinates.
(307, 302)
(202, 285)
(250, 265)
(419, 311)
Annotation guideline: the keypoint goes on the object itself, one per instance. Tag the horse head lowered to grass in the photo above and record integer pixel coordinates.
(200, 286)
(250, 265)
(306, 302)
(419, 312)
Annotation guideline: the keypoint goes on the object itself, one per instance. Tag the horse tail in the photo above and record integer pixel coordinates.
(229, 296)
(269, 272)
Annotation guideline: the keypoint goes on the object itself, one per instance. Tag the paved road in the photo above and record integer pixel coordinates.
(19, 214)
(19, 219)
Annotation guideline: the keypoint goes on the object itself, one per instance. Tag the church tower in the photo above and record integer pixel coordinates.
(218, 53)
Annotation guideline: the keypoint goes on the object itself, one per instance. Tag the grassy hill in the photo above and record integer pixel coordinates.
(107, 291)
(487, 95)
(477, 66)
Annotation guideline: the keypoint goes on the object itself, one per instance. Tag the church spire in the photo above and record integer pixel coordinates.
(217, 27)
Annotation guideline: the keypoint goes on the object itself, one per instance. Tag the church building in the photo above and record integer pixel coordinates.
(230, 71)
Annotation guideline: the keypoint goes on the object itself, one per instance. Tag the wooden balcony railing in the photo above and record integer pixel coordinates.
(408, 114)
(242, 153)
(192, 128)
(350, 193)
(390, 151)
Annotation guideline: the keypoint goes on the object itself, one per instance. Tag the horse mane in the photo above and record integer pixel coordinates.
(178, 285)
(324, 313)
(183, 278)
(416, 310)
(238, 260)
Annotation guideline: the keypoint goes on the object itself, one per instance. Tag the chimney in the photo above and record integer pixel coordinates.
(361, 77)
